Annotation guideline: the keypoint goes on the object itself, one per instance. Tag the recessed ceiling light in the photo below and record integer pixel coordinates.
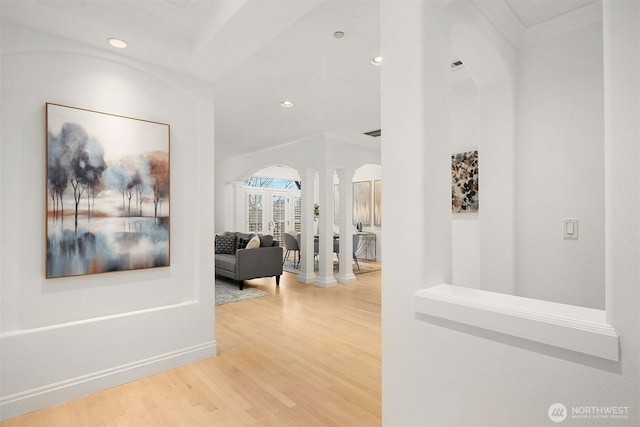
(286, 103)
(377, 60)
(119, 43)
(338, 34)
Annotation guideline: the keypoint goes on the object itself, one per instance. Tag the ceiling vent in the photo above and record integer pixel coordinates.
(375, 133)
(456, 65)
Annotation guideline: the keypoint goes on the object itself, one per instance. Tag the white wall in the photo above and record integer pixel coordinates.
(66, 337)
(441, 373)
(560, 132)
(559, 172)
(490, 61)
(465, 226)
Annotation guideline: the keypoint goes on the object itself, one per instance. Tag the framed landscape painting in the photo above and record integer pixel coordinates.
(107, 192)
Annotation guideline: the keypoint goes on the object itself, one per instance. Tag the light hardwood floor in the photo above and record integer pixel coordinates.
(301, 356)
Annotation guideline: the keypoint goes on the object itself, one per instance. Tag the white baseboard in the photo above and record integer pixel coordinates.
(306, 278)
(325, 282)
(348, 278)
(52, 394)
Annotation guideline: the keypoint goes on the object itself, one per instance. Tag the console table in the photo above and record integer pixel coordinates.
(364, 245)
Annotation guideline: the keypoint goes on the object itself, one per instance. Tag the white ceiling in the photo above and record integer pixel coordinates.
(259, 52)
(331, 81)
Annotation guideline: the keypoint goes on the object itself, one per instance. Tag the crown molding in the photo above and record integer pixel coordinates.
(500, 15)
(571, 21)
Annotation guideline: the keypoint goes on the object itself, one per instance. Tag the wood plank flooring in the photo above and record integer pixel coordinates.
(301, 356)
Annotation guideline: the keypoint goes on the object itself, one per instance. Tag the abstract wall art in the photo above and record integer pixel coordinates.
(464, 182)
(107, 190)
(362, 203)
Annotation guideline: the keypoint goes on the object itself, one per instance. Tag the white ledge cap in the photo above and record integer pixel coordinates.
(566, 326)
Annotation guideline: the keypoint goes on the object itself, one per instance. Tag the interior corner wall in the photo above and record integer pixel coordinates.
(489, 60)
(223, 197)
(66, 337)
(416, 203)
(465, 244)
(560, 168)
(436, 372)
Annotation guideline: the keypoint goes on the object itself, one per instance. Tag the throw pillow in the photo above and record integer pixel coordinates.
(242, 242)
(225, 244)
(244, 235)
(240, 235)
(253, 243)
(266, 240)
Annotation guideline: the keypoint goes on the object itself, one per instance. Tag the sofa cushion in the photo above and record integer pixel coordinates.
(266, 240)
(242, 242)
(226, 244)
(240, 235)
(244, 235)
(254, 243)
(226, 262)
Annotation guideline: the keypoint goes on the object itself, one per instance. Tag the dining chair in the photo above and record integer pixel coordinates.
(291, 245)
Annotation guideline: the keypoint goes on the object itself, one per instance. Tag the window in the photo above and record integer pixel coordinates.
(254, 213)
(297, 213)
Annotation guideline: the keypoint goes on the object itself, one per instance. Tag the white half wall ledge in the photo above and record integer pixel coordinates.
(575, 328)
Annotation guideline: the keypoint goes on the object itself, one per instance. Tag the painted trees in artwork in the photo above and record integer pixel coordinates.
(86, 162)
(117, 177)
(96, 188)
(93, 170)
(58, 176)
(130, 176)
(159, 173)
(76, 160)
(139, 180)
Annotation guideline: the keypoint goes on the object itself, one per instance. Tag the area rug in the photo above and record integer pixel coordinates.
(227, 291)
(365, 267)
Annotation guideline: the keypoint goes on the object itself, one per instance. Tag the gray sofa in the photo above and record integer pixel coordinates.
(245, 264)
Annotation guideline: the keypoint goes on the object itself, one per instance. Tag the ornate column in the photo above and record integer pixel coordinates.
(325, 277)
(346, 225)
(307, 275)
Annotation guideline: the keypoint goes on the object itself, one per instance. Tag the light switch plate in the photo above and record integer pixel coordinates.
(570, 228)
